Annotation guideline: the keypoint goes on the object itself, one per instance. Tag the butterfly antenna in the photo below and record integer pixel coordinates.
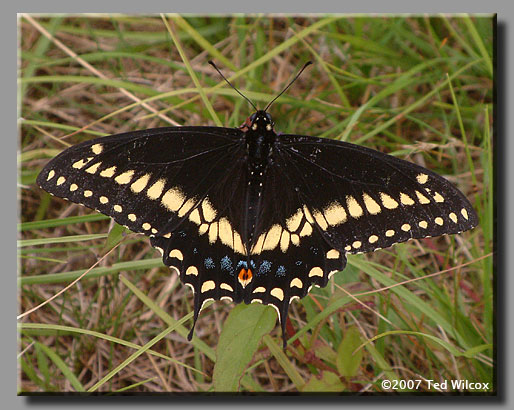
(308, 63)
(229, 83)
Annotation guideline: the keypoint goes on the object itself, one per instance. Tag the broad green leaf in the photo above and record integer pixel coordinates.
(347, 361)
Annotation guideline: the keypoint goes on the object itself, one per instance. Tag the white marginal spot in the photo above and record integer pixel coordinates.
(306, 230)
(227, 298)
(347, 248)
(389, 233)
(108, 172)
(293, 222)
(439, 221)
(335, 214)
(453, 217)
(93, 168)
(332, 273)
(97, 148)
(140, 183)
(61, 180)
(207, 286)
(195, 217)
(278, 293)
(464, 213)
(296, 282)
(293, 298)
(173, 199)
(284, 241)
(422, 198)
(320, 219)
(209, 213)
(259, 289)
(438, 197)
(272, 238)
(371, 205)
(73, 187)
(256, 301)
(191, 286)
(103, 199)
(387, 201)
(155, 191)
(316, 271)
(175, 253)
(51, 174)
(146, 226)
(406, 199)
(131, 217)
(226, 286)
(422, 178)
(205, 301)
(353, 207)
(192, 270)
(88, 193)
(333, 254)
(406, 227)
(125, 177)
(423, 224)
(357, 244)
(161, 251)
(154, 231)
(373, 239)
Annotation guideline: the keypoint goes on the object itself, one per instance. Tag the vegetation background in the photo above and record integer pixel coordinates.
(417, 87)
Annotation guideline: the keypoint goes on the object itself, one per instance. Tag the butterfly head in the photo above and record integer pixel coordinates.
(259, 121)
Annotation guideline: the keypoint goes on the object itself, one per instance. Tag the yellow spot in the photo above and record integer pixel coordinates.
(316, 271)
(438, 197)
(213, 232)
(225, 232)
(406, 227)
(125, 178)
(333, 254)
(347, 248)
(207, 286)
(389, 233)
(453, 217)
(423, 224)
(373, 239)
(422, 198)
(209, 213)
(61, 180)
(93, 168)
(256, 301)
(406, 199)
(168, 235)
(186, 207)
(226, 286)
(154, 231)
(227, 298)
(335, 214)
(80, 163)
(104, 199)
(51, 174)
(296, 282)
(203, 228)
(284, 241)
(195, 217)
(88, 193)
(464, 213)
(173, 199)
(322, 223)
(259, 289)
(422, 178)
(97, 148)
(294, 221)
(192, 270)
(238, 244)
(155, 191)
(357, 244)
(108, 172)
(308, 215)
(140, 183)
(73, 187)
(295, 239)
(146, 226)
(257, 248)
(371, 205)
(353, 207)
(387, 201)
(439, 221)
(131, 217)
(278, 293)
(306, 230)
(272, 238)
(175, 253)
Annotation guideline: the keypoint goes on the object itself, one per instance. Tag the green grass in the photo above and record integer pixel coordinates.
(419, 88)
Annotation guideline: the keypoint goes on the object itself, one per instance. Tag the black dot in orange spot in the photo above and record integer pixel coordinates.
(245, 275)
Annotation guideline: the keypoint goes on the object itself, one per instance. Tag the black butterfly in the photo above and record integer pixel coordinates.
(249, 215)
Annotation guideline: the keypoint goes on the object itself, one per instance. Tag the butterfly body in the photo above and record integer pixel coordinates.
(249, 215)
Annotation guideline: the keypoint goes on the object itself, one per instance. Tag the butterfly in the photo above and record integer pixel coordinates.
(249, 215)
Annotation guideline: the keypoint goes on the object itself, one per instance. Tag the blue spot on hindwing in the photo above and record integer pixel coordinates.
(281, 270)
(265, 268)
(209, 263)
(226, 265)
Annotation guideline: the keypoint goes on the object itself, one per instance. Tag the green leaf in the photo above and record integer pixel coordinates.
(347, 361)
(241, 335)
(329, 382)
(115, 236)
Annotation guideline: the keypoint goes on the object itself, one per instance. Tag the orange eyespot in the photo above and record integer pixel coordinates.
(245, 277)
